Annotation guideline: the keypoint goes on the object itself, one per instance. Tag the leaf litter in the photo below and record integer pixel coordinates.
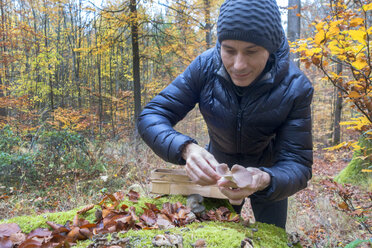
(111, 217)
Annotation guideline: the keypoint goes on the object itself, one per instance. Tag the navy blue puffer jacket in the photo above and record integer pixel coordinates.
(269, 128)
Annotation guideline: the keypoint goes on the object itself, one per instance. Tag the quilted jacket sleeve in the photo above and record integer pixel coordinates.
(293, 148)
(156, 121)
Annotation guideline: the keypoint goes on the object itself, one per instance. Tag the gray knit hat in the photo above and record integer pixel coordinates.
(256, 21)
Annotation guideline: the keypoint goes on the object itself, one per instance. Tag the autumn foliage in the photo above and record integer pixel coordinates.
(344, 38)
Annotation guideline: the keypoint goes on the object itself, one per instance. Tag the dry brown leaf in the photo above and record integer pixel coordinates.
(5, 242)
(75, 234)
(85, 209)
(39, 232)
(53, 225)
(31, 243)
(8, 229)
(149, 217)
(200, 243)
(133, 196)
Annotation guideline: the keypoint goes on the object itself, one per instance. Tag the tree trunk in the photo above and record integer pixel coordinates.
(136, 59)
(46, 24)
(337, 111)
(3, 51)
(208, 25)
(294, 25)
(112, 94)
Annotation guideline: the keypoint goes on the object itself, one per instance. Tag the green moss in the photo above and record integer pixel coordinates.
(211, 203)
(216, 234)
(158, 202)
(28, 223)
(352, 173)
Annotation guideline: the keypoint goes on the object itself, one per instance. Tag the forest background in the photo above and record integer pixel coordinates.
(74, 76)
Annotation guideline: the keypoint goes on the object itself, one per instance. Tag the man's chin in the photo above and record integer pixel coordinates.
(242, 83)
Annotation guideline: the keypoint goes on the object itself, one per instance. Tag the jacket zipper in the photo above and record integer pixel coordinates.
(238, 133)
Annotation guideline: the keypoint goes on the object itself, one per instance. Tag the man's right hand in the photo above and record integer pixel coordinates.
(200, 165)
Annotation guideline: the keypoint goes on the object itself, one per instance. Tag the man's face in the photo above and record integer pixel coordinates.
(244, 61)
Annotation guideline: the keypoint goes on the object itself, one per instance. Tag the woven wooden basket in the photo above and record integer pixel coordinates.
(176, 182)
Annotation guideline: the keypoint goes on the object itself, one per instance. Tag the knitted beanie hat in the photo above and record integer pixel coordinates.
(255, 21)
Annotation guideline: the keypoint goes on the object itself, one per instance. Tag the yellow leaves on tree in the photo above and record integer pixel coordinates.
(343, 38)
(359, 123)
(367, 7)
(70, 119)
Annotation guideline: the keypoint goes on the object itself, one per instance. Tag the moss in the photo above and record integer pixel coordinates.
(352, 173)
(157, 201)
(216, 234)
(28, 223)
(211, 203)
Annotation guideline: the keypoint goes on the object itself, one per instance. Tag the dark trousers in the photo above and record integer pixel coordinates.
(268, 212)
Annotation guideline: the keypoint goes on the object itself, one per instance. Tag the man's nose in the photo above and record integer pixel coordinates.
(239, 63)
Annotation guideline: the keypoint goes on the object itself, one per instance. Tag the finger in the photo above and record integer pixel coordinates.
(206, 168)
(212, 161)
(234, 194)
(198, 176)
(255, 182)
(194, 178)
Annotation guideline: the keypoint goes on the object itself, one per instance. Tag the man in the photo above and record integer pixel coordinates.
(256, 104)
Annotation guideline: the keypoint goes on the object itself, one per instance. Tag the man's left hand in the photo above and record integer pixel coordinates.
(246, 182)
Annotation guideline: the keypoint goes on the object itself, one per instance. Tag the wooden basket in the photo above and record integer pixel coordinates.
(176, 182)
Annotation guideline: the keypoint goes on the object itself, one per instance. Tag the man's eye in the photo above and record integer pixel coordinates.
(250, 52)
(230, 51)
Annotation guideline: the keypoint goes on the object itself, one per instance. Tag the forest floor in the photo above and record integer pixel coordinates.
(316, 214)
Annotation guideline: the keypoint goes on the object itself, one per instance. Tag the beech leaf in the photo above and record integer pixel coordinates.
(39, 232)
(133, 196)
(152, 207)
(85, 209)
(149, 217)
(5, 242)
(30, 243)
(8, 229)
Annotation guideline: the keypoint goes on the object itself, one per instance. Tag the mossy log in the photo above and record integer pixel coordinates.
(215, 234)
(362, 160)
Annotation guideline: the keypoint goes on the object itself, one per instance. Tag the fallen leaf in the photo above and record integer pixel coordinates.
(343, 206)
(85, 209)
(31, 243)
(149, 217)
(120, 195)
(8, 229)
(86, 233)
(75, 234)
(53, 225)
(200, 243)
(152, 207)
(164, 222)
(17, 238)
(5, 242)
(133, 196)
(39, 232)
